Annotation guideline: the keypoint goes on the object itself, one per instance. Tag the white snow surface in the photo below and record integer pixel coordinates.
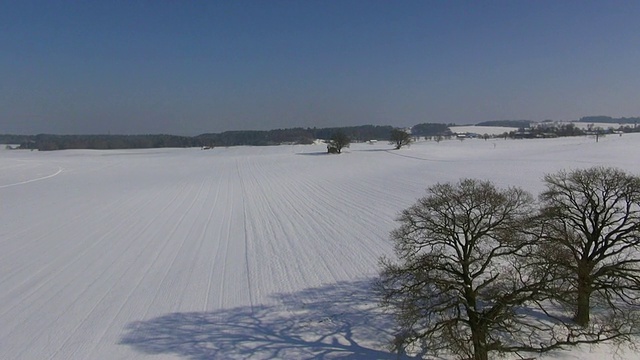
(231, 253)
(482, 130)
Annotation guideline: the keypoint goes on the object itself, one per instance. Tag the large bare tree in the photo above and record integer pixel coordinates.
(591, 227)
(337, 142)
(461, 284)
(399, 138)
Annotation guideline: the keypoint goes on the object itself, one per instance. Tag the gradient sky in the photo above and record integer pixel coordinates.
(191, 67)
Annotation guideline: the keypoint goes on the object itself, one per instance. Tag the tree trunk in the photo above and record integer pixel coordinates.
(480, 351)
(583, 306)
(478, 335)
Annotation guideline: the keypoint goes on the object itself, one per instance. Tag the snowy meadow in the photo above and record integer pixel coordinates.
(232, 253)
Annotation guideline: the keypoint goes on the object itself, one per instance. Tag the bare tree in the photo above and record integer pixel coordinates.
(591, 227)
(399, 138)
(461, 281)
(338, 141)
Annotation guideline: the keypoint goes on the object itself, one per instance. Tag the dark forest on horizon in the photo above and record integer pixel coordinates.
(361, 133)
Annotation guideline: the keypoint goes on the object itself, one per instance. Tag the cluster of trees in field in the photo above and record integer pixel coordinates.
(339, 140)
(482, 271)
(431, 129)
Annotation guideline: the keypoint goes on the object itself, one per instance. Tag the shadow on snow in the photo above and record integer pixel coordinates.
(337, 321)
(315, 153)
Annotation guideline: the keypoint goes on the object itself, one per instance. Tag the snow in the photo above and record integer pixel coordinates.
(595, 125)
(482, 130)
(231, 253)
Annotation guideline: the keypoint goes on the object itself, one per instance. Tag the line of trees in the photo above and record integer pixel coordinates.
(507, 123)
(481, 270)
(45, 142)
(227, 138)
(609, 119)
(363, 133)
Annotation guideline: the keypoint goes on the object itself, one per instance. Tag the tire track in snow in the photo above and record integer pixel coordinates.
(203, 239)
(316, 206)
(26, 241)
(281, 231)
(60, 170)
(266, 232)
(114, 207)
(168, 269)
(176, 253)
(127, 299)
(79, 297)
(243, 193)
(294, 227)
(78, 256)
(227, 239)
(236, 251)
(204, 233)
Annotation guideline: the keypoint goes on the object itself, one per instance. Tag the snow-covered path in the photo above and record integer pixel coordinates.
(246, 252)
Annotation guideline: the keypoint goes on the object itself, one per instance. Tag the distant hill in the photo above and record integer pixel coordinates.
(507, 123)
(271, 137)
(293, 135)
(609, 119)
(14, 139)
(431, 129)
(227, 138)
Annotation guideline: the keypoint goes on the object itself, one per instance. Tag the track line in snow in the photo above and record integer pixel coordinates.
(78, 256)
(225, 255)
(184, 215)
(126, 303)
(91, 286)
(60, 170)
(243, 193)
(146, 270)
(204, 233)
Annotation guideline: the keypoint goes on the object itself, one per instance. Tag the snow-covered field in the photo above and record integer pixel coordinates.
(230, 253)
(482, 130)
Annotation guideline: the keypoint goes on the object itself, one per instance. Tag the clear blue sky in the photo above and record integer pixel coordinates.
(190, 67)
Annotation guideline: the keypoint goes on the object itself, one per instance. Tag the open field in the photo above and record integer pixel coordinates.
(230, 253)
(482, 130)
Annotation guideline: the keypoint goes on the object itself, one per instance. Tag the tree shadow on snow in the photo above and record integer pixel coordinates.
(373, 150)
(338, 321)
(316, 153)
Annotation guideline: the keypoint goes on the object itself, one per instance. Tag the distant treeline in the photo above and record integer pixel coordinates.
(228, 138)
(293, 136)
(430, 129)
(550, 129)
(585, 119)
(507, 123)
(609, 119)
(46, 142)
(362, 133)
